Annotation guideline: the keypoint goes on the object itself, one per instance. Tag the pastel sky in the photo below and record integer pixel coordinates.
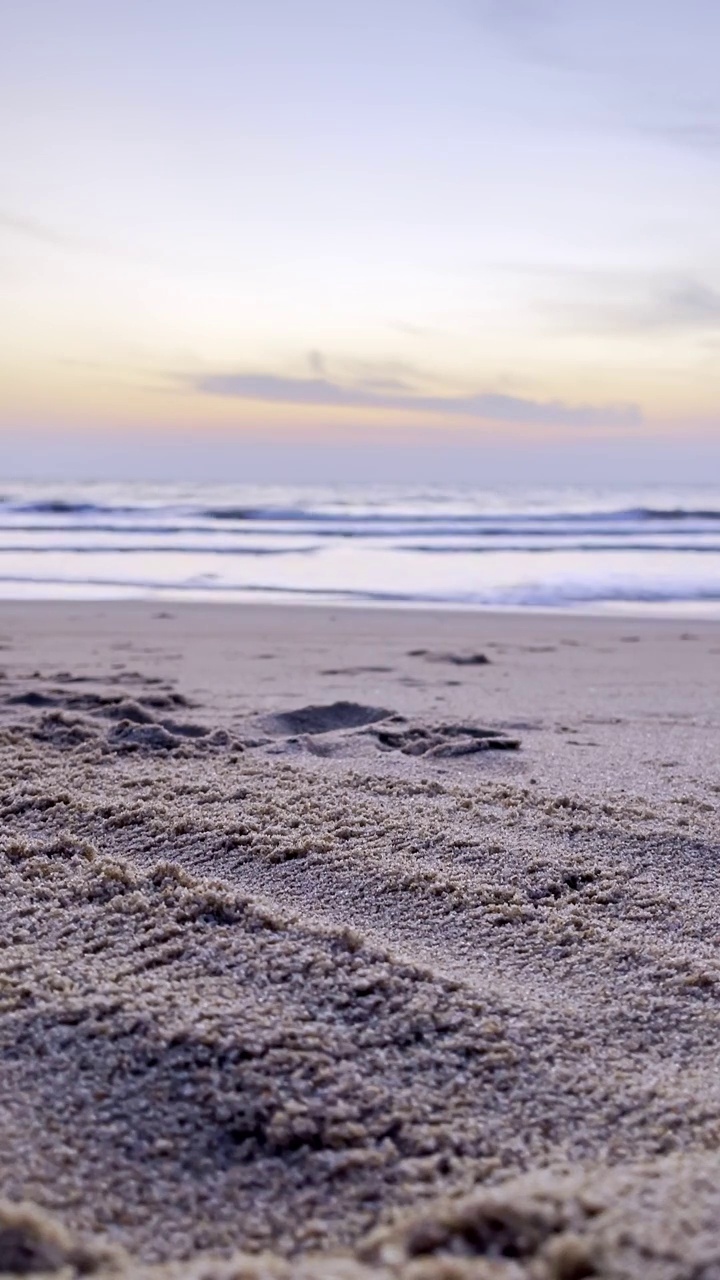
(486, 221)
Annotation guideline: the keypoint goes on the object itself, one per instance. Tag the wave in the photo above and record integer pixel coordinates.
(154, 549)
(678, 513)
(700, 548)
(427, 548)
(389, 515)
(556, 596)
(290, 515)
(231, 513)
(59, 506)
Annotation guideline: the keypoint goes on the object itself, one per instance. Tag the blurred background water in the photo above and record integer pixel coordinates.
(645, 549)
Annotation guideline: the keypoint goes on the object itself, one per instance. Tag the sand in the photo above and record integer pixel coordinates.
(358, 944)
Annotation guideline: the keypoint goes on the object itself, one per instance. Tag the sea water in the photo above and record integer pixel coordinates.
(641, 549)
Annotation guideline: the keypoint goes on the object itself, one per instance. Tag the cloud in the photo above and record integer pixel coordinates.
(609, 34)
(698, 135)
(683, 305)
(316, 363)
(536, 30)
(414, 330)
(393, 385)
(513, 15)
(690, 305)
(644, 68)
(40, 233)
(33, 230)
(488, 406)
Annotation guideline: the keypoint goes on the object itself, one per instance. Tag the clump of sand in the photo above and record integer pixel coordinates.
(658, 1221)
(34, 1242)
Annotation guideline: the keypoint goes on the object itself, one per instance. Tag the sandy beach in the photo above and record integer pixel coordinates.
(358, 943)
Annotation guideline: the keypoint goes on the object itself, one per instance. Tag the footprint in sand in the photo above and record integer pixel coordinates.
(325, 719)
(391, 730)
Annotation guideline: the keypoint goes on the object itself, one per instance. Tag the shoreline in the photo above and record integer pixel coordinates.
(672, 610)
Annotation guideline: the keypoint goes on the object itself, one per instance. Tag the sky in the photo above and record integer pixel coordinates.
(409, 232)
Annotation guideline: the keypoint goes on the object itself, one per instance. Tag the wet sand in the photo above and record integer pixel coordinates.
(377, 943)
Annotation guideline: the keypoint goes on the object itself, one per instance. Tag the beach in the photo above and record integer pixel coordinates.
(367, 942)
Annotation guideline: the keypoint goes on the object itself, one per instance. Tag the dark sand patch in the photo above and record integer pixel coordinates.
(355, 671)
(453, 659)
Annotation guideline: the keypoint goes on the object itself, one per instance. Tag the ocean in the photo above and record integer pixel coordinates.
(645, 549)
